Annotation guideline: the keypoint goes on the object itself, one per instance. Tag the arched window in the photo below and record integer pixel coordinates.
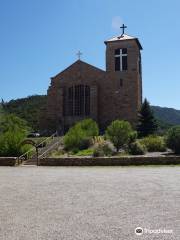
(79, 100)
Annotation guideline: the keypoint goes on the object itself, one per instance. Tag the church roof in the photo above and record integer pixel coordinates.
(124, 37)
(79, 62)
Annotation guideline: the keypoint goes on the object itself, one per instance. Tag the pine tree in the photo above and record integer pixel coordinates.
(147, 124)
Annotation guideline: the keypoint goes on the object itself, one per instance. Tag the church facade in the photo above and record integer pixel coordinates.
(85, 91)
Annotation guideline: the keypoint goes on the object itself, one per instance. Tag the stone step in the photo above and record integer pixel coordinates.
(30, 162)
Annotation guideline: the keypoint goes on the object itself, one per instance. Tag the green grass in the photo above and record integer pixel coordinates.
(85, 152)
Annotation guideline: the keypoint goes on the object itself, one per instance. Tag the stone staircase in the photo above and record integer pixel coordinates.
(43, 151)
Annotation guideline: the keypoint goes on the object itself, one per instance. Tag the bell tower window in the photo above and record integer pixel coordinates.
(120, 55)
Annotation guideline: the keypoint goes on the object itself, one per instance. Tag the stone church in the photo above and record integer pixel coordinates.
(85, 91)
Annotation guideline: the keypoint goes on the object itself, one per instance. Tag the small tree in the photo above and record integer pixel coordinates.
(119, 133)
(173, 139)
(147, 124)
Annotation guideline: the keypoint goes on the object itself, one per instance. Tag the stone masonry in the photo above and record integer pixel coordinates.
(113, 94)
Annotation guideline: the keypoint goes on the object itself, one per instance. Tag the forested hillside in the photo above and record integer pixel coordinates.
(167, 115)
(27, 108)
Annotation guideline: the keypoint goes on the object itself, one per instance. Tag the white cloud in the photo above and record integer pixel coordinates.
(117, 22)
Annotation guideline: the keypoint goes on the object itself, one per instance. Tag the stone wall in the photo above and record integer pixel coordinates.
(114, 94)
(8, 161)
(110, 161)
(57, 103)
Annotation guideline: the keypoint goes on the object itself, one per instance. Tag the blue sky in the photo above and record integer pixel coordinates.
(39, 38)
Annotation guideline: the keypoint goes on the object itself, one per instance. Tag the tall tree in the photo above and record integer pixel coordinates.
(147, 124)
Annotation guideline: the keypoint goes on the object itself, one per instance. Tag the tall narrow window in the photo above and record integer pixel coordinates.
(87, 100)
(79, 100)
(121, 82)
(121, 59)
(70, 101)
(140, 66)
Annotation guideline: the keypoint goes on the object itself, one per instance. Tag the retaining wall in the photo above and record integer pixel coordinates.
(8, 161)
(110, 161)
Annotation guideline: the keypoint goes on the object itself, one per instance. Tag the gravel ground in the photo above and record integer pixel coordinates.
(89, 203)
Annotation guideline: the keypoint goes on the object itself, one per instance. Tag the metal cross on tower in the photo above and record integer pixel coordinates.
(79, 54)
(123, 28)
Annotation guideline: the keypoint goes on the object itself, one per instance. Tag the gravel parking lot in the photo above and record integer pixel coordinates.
(89, 203)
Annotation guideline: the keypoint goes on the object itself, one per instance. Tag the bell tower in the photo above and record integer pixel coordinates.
(123, 66)
(122, 52)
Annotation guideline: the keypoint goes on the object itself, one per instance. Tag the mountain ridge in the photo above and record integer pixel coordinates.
(167, 115)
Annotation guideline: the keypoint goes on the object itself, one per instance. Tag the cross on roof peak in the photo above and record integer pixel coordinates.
(79, 54)
(123, 28)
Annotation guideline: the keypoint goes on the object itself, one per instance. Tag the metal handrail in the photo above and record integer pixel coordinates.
(21, 158)
(52, 136)
(51, 147)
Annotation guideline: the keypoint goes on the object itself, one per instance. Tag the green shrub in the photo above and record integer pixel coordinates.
(154, 143)
(119, 133)
(173, 139)
(98, 152)
(102, 150)
(10, 144)
(79, 136)
(13, 130)
(136, 148)
(89, 126)
(85, 143)
(73, 138)
(132, 137)
(107, 149)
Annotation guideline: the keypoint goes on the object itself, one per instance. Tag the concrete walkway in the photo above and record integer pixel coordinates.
(89, 203)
